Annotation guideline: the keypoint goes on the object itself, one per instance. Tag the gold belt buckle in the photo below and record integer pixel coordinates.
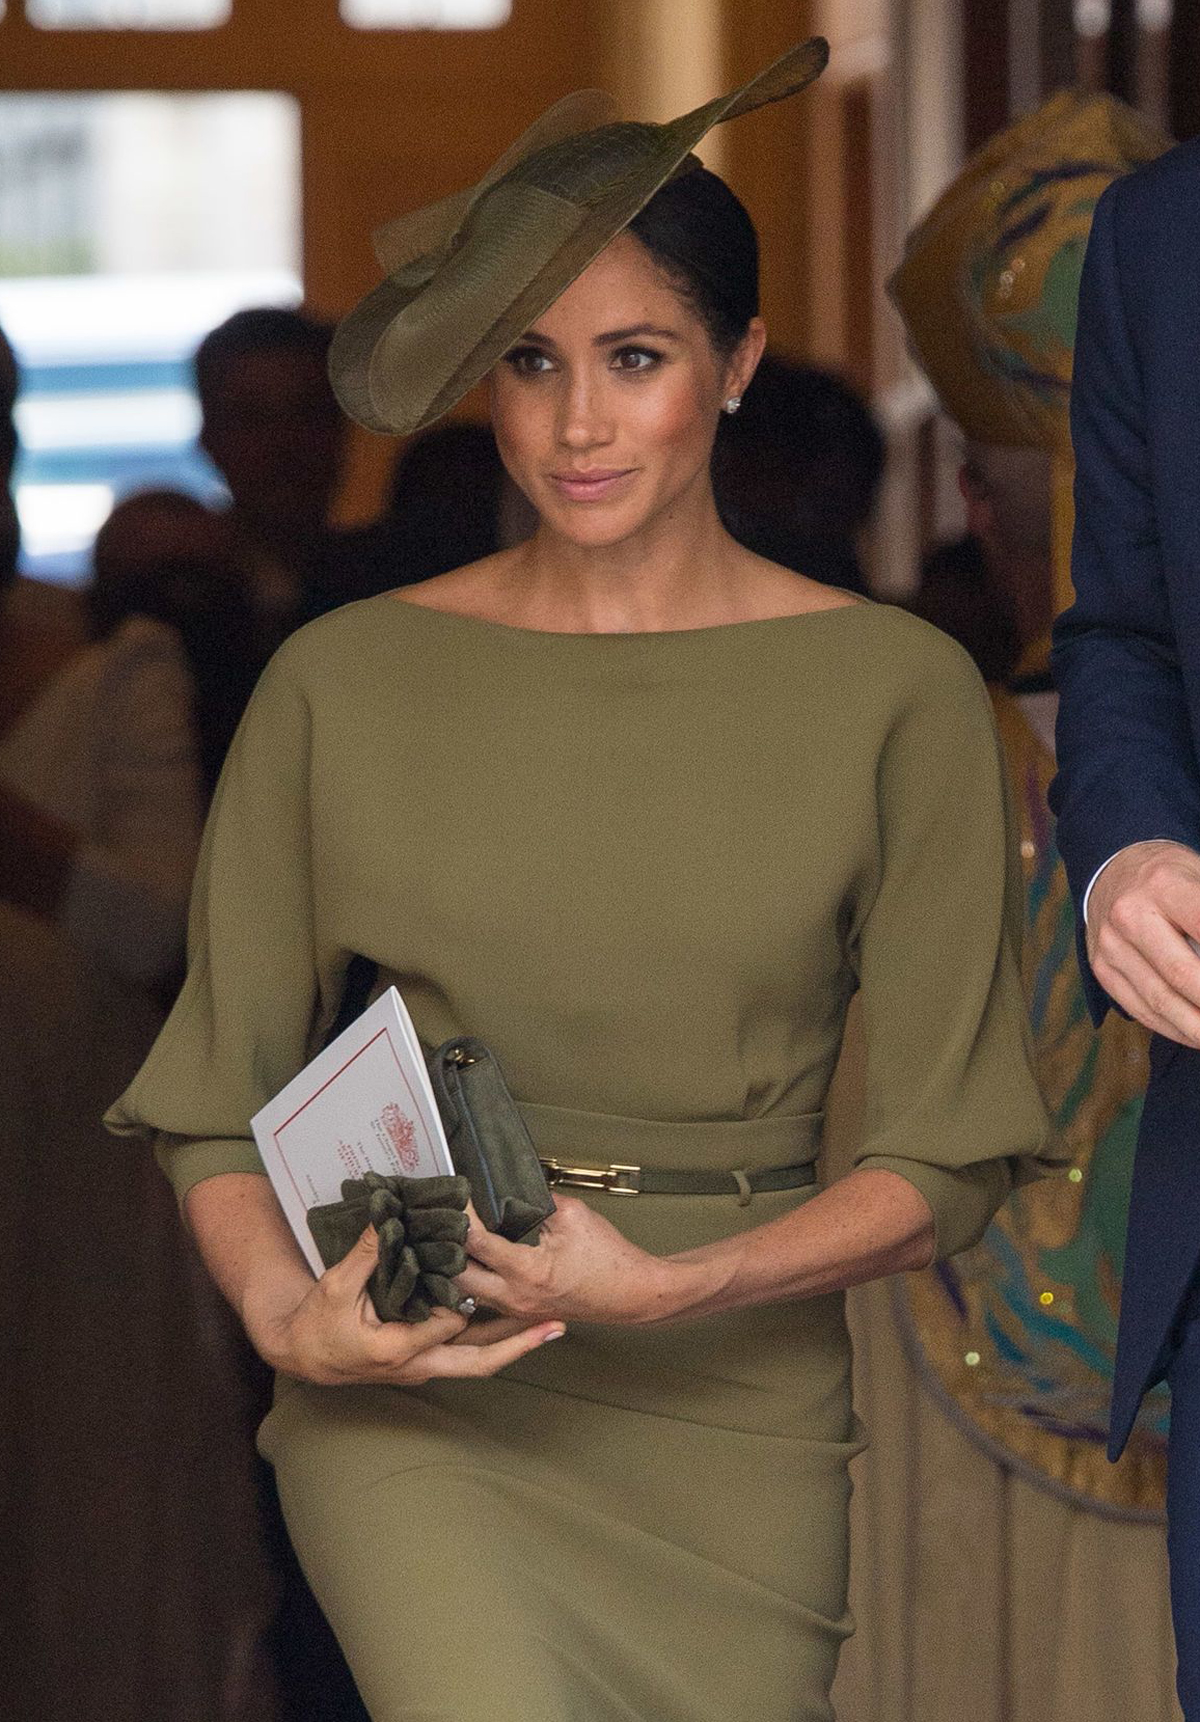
(616, 1180)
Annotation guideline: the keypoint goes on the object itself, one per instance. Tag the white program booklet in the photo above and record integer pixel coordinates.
(364, 1104)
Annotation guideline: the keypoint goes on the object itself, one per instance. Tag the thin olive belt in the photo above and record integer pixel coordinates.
(771, 1153)
(621, 1180)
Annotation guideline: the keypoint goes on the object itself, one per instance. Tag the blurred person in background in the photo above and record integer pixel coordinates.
(1002, 368)
(40, 625)
(129, 1354)
(124, 1597)
(162, 556)
(797, 471)
(105, 778)
(1006, 493)
(272, 428)
(992, 590)
(452, 502)
(958, 593)
(1016, 1339)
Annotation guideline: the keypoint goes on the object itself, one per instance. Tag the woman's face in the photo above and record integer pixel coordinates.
(605, 410)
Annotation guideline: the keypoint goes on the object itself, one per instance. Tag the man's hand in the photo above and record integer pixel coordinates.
(1144, 908)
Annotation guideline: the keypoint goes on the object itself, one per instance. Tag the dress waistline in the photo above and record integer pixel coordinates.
(748, 1144)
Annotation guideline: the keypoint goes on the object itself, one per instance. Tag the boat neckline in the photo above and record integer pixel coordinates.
(512, 629)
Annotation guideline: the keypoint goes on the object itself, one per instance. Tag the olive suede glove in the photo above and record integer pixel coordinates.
(422, 1227)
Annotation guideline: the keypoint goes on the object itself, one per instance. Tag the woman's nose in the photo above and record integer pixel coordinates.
(585, 420)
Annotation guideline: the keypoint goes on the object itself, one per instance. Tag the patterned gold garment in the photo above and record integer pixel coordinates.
(1018, 1335)
(989, 282)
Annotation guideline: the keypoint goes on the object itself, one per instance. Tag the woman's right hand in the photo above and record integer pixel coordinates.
(332, 1336)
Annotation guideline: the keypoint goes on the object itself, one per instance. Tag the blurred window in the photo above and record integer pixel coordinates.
(127, 14)
(130, 225)
(426, 14)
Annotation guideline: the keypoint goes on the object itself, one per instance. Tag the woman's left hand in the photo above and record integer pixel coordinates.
(581, 1269)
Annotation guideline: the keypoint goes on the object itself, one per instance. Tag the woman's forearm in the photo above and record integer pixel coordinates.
(326, 1330)
(867, 1225)
(249, 1250)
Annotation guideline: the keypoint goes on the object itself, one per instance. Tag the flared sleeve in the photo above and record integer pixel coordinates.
(952, 1103)
(241, 1025)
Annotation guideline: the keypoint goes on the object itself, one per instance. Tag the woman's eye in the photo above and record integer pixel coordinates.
(635, 359)
(528, 361)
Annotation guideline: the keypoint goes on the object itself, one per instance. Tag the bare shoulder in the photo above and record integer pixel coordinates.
(479, 589)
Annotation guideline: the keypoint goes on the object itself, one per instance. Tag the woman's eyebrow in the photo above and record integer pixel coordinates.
(634, 329)
(608, 339)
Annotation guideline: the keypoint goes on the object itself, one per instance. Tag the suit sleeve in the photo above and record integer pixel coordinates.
(1127, 766)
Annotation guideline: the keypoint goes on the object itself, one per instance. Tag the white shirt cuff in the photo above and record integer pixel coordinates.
(1092, 881)
(1087, 895)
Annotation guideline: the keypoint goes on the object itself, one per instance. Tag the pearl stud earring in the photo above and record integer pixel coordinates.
(733, 403)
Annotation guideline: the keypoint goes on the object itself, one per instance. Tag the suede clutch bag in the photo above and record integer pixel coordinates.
(489, 1143)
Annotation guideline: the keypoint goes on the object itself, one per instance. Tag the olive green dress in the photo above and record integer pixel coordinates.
(649, 870)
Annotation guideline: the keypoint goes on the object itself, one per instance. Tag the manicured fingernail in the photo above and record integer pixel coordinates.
(557, 1334)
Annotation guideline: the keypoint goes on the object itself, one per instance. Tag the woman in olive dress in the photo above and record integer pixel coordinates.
(643, 811)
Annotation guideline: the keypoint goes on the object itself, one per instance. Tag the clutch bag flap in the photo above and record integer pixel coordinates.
(488, 1140)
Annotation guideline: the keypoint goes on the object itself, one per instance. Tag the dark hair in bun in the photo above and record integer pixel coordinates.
(699, 232)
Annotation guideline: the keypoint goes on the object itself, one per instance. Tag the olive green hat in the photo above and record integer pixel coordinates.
(467, 276)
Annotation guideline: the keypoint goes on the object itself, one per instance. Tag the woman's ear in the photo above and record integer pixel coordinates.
(745, 357)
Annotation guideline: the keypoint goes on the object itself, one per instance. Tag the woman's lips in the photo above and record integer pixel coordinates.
(590, 486)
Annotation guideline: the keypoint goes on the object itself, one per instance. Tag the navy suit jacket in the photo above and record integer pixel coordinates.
(1127, 663)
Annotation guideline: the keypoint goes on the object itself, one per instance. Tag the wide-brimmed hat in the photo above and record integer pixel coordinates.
(989, 285)
(467, 276)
